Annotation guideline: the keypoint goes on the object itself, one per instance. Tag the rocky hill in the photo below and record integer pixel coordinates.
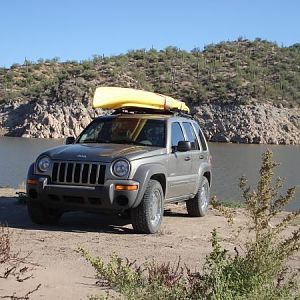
(244, 91)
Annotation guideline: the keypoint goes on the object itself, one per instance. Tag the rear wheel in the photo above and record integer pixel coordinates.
(147, 217)
(198, 206)
(40, 214)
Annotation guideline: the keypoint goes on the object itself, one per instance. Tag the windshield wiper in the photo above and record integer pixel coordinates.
(128, 142)
(92, 141)
(88, 141)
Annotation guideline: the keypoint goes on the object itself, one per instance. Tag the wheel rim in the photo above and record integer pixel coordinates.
(204, 196)
(155, 210)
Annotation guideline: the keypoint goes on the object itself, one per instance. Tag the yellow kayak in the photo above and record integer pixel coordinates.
(115, 98)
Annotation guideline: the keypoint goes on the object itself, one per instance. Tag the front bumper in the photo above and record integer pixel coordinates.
(80, 197)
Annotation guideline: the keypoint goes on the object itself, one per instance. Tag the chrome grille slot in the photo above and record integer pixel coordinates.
(69, 172)
(93, 174)
(85, 172)
(62, 169)
(78, 173)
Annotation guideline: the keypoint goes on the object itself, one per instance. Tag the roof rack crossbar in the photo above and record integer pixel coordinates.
(132, 110)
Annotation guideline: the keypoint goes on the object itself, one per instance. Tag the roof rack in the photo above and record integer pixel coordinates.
(137, 110)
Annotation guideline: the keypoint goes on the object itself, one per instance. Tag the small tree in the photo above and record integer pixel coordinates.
(260, 272)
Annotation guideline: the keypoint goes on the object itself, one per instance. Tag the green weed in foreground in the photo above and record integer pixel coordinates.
(257, 271)
(233, 204)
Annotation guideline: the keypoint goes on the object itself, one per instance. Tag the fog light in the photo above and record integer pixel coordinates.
(121, 187)
(122, 200)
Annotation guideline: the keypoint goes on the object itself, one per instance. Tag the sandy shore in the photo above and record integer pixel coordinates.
(63, 274)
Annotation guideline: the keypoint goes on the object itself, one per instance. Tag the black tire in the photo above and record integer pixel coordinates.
(125, 214)
(146, 218)
(40, 214)
(198, 206)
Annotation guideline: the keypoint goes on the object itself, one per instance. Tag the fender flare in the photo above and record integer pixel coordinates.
(143, 175)
(202, 170)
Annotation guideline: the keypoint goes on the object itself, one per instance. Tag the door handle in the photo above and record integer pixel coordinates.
(201, 156)
(187, 158)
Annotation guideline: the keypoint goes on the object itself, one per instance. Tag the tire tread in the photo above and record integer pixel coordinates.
(140, 215)
(193, 205)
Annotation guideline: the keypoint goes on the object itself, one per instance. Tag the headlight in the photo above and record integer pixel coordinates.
(121, 168)
(43, 164)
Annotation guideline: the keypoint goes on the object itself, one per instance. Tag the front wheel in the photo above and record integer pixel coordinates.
(39, 214)
(198, 206)
(147, 217)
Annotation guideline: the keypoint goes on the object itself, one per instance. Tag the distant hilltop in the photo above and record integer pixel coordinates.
(238, 86)
(239, 71)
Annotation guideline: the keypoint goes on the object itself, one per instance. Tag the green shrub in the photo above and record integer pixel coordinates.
(260, 272)
(90, 74)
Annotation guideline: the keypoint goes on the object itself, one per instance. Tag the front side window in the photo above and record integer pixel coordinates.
(135, 131)
(177, 134)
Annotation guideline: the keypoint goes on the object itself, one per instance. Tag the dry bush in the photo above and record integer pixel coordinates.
(4, 244)
(13, 265)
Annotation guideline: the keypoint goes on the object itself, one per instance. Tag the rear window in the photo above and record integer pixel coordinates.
(201, 137)
(191, 136)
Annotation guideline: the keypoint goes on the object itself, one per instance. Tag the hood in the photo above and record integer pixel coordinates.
(101, 152)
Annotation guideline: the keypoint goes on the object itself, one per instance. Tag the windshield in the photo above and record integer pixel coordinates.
(125, 131)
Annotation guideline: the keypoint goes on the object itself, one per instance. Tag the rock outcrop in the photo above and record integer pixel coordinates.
(259, 123)
(250, 124)
(45, 120)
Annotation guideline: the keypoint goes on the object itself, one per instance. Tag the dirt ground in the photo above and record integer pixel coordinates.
(63, 273)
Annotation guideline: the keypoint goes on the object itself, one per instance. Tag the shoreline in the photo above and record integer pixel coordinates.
(227, 123)
(211, 142)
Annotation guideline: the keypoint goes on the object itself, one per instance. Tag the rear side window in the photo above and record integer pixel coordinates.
(201, 137)
(177, 134)
(191, 136)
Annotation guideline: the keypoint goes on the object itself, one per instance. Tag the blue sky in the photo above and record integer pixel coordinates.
(76, 29)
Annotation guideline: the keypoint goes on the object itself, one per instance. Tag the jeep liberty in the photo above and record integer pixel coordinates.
(124, 163)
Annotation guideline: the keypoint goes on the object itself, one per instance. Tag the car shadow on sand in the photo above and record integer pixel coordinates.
(14, 215)
(171, 213)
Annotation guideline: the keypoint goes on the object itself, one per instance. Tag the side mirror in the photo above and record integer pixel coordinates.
(70, 140)
(184, 146)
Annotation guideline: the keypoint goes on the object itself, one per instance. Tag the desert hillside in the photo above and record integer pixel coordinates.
(243, 91)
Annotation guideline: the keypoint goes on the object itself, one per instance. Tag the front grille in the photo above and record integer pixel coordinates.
(78, 173)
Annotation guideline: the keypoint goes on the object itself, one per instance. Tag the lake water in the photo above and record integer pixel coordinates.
(230, 162)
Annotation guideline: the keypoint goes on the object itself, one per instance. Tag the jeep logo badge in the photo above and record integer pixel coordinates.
(81, 155)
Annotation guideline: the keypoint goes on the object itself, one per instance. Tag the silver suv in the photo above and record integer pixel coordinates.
(124, 163)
